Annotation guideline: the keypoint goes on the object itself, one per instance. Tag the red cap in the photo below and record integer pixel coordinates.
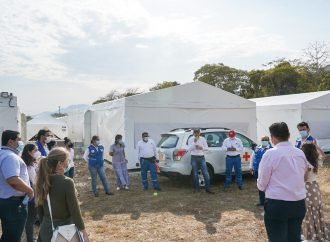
(231, 133)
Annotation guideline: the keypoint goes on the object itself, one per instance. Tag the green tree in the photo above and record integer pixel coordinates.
(280, 80)
(164, 84)
(225, 77)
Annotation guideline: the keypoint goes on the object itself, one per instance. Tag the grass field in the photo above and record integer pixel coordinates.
(176, 213)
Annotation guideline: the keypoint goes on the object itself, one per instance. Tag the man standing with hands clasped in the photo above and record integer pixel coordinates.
(197, 146)
(14, 186)
(233, 147)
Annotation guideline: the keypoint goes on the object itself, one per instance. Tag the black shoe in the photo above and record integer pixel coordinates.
(109, 193)
(240, 187)
(259, 204)
(157, 189)
(209, 192)
(96, 194)
(145, 189)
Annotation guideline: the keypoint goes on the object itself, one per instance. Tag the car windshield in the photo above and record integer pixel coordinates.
(168, 141)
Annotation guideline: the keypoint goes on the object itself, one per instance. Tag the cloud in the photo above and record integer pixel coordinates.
(70, 40)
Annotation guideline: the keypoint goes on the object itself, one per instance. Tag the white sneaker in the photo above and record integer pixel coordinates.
(118, 188)
(126, 188)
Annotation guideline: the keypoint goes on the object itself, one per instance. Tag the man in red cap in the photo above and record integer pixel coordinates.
(233, 147)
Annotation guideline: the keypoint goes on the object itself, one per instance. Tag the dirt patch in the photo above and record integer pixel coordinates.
(177, 213)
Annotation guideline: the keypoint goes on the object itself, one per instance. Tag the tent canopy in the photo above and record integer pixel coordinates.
(56, 126)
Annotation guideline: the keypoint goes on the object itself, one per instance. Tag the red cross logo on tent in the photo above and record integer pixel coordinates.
(246, 156)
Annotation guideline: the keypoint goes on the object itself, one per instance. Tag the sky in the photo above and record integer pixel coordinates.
(59, 53)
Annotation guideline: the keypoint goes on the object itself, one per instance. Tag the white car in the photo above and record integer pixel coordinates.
(174, 158)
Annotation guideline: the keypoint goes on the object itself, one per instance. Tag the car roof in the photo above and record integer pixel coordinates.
(190, 130)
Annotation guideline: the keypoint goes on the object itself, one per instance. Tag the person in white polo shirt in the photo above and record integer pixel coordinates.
(197, 147)
(233, 147)
(147, 156)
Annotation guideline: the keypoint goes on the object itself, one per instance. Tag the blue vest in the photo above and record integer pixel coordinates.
(258, 153)
(95, 157)
(41, 148)
(299, 142)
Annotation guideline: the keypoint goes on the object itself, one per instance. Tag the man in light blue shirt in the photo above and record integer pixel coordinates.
(14, 185)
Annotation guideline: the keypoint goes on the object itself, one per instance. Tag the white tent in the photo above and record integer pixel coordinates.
(56, 126)
(188, 105)
(10, 116)
(313, 107)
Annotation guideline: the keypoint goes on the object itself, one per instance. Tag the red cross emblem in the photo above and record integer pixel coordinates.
(246, 156)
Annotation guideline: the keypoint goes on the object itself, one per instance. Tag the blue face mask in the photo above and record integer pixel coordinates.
(20, 146)
(264, 143)
(303, 133)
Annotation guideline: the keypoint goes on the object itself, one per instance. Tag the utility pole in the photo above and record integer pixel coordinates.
(59, 109)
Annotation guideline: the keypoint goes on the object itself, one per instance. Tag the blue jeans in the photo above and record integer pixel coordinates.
(236, 163)
(94, 170)
(198, 162)
(146, 165)
(13, 216)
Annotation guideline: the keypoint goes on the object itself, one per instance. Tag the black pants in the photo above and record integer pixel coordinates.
(13, 216)
(31, 219)
(261, 193)
(283, 220)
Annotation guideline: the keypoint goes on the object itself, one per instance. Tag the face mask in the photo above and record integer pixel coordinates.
(20, 146)
(36, 155)
(303, 133)
(70, 145)
(264, 143)
(48, 139)
(97, 142)
(145, 139)
(120, 142)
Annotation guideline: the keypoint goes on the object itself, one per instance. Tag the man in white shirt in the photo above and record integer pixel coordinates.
(233, 147)
(147, 155)
(197, 146)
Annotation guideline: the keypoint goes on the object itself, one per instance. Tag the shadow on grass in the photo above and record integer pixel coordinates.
(176, 197)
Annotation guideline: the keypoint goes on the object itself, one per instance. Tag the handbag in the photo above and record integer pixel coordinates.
(64, 233)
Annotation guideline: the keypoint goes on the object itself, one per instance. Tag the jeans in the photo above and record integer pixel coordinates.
(94, 170)
(236, 163)
(198, 162)
(70, 173)
(13, 216)
(283, 220)
(148, 165)
(261, 193)
(31, 219)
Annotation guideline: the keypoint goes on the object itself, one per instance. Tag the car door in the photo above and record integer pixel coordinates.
(247, 151)
(214, 155)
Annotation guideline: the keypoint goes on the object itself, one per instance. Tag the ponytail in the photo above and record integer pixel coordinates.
(43, 182)
(47, 167)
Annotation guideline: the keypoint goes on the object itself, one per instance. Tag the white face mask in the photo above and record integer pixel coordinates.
(97, 142)
(36, 155)
(145, 139)
(48, 139)
(20, 146)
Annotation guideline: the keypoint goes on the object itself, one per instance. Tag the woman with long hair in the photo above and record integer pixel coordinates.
(313, 227)
(30, 156)
(69, 146)
(119, 162)
(62, 193)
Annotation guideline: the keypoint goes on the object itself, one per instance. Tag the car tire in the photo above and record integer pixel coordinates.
(201, 178)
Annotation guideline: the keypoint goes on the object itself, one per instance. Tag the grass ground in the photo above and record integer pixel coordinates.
(177, 214)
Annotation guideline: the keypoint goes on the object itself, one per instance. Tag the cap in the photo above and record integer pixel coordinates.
(196, 130)
(145, 134)
(231, 133)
